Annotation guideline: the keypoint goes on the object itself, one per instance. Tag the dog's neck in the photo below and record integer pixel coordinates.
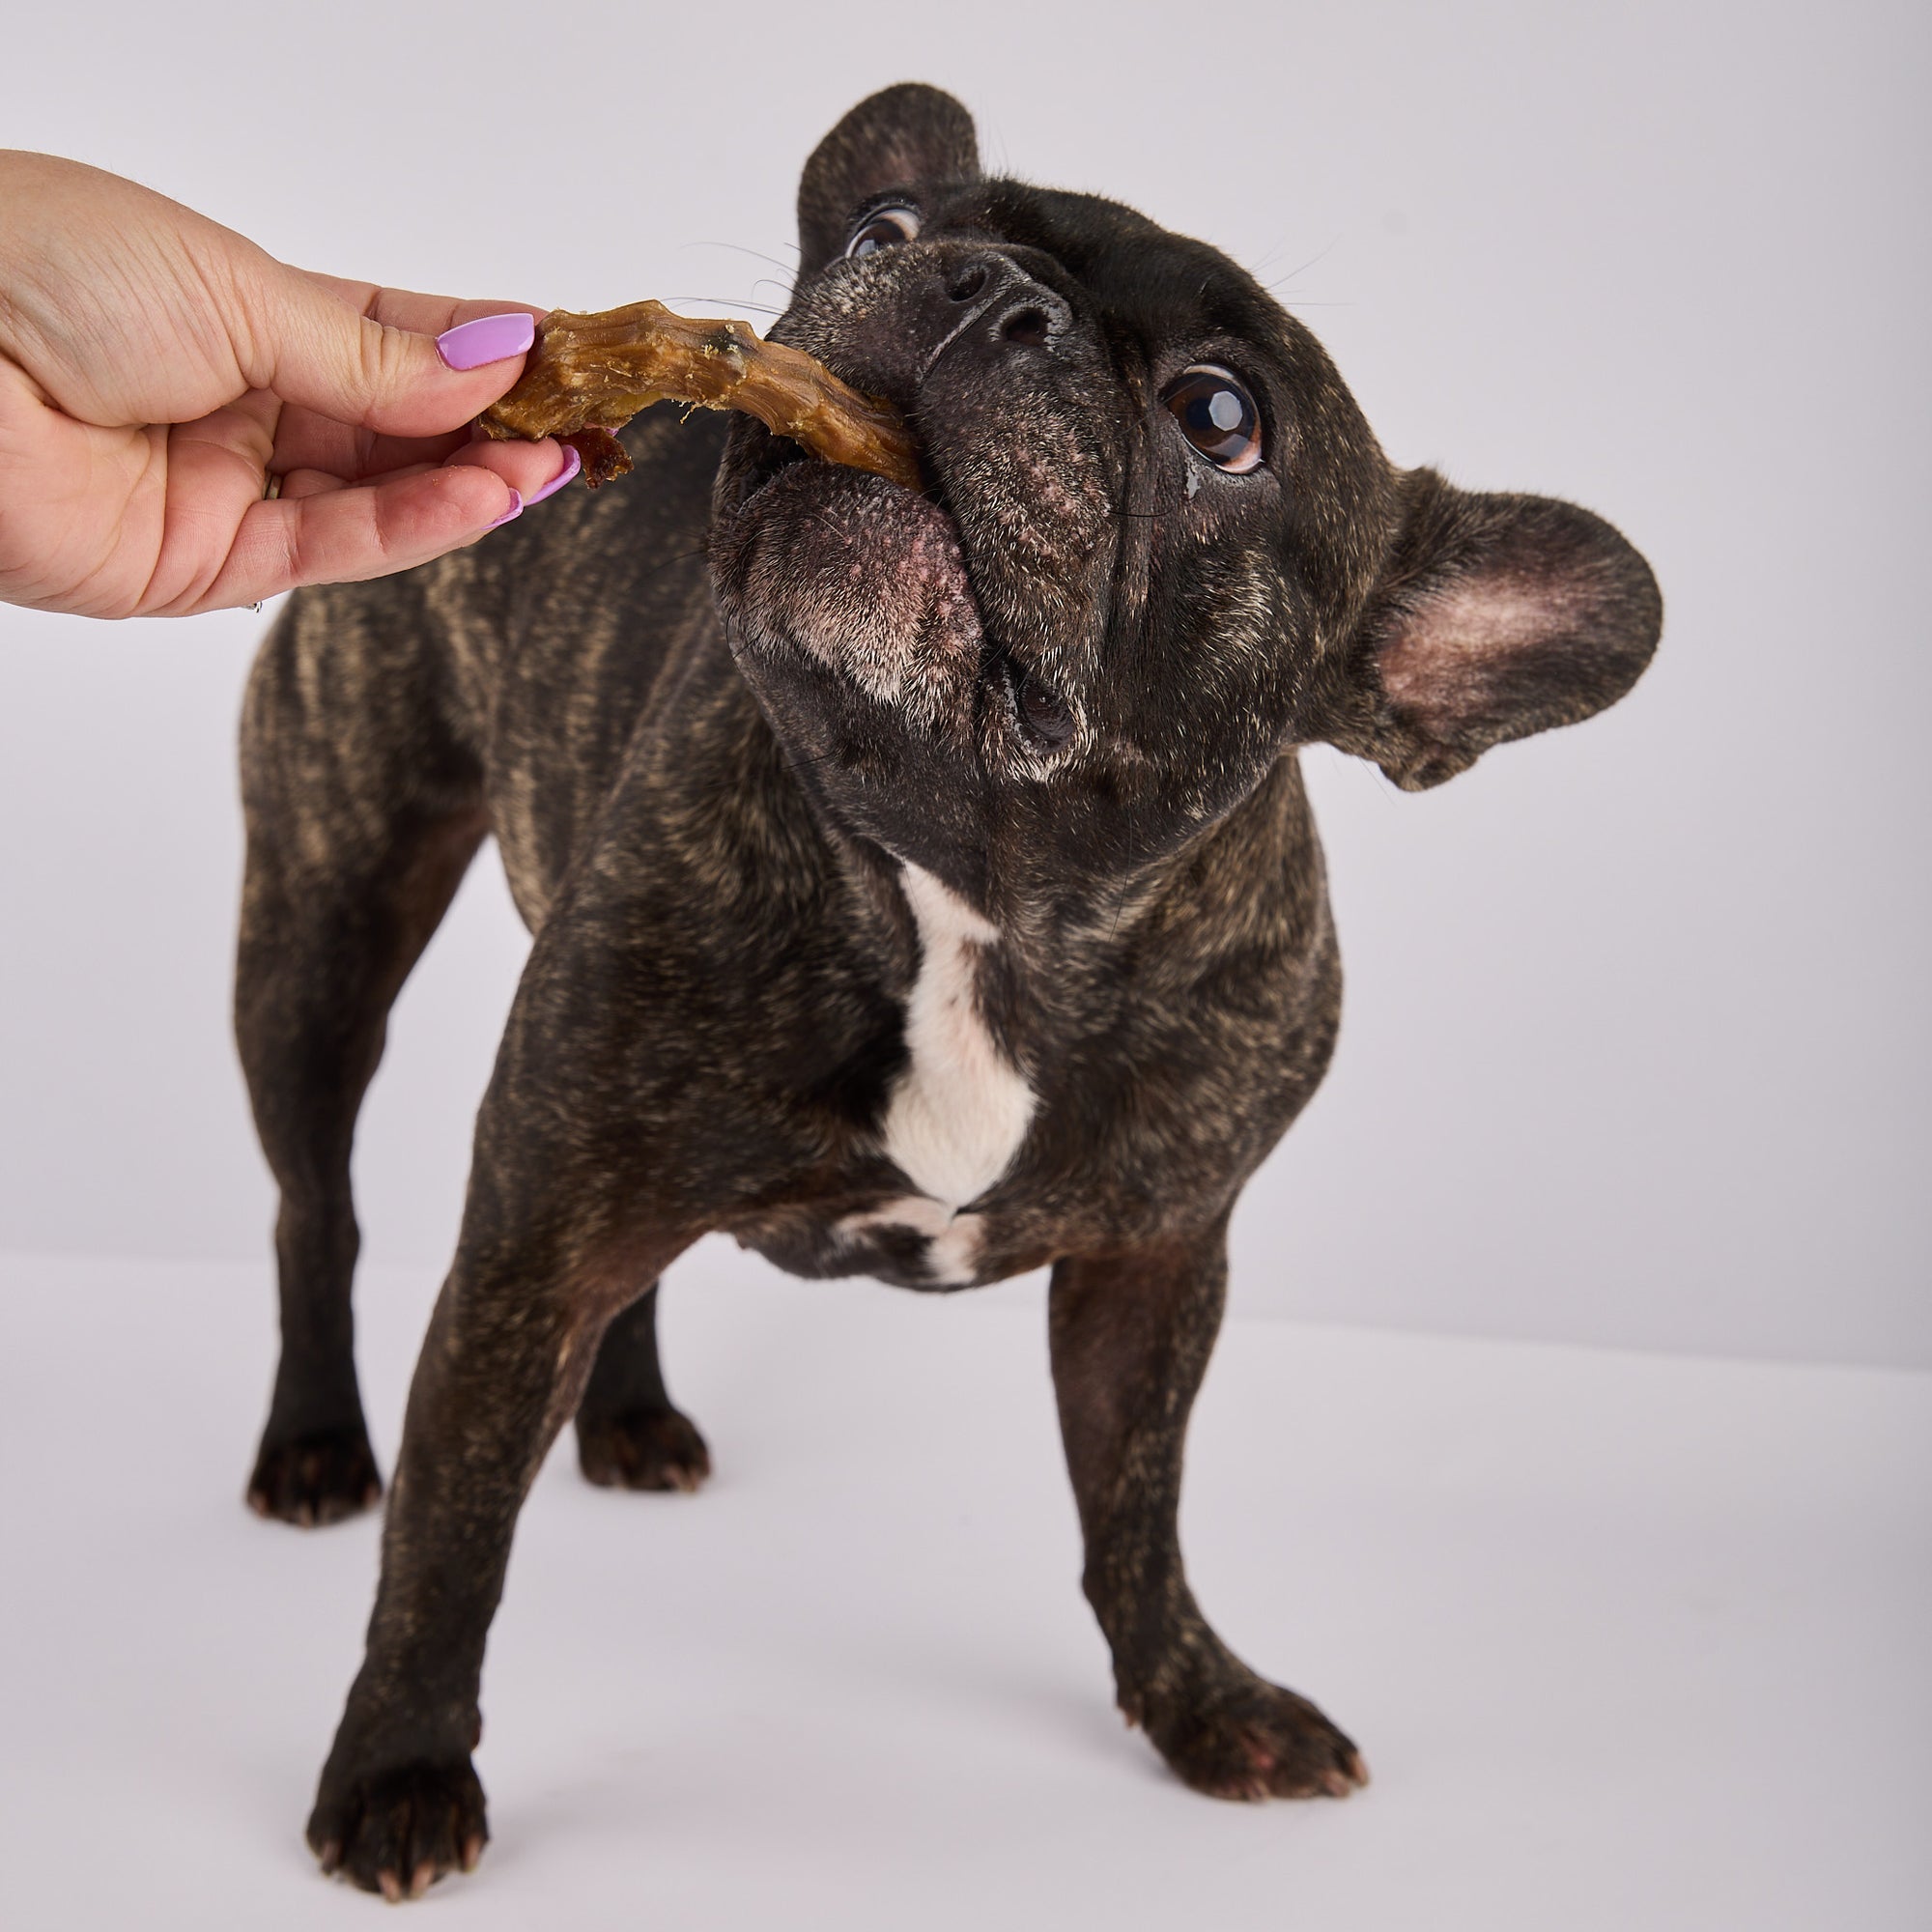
(991, 1004)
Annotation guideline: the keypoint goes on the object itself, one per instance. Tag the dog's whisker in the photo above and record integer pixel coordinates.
(1320, 255)
(787, 268)
(728, 302)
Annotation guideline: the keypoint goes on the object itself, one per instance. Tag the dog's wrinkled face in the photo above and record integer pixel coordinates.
(1158, 545)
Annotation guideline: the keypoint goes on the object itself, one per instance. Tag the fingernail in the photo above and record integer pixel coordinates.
(490, 338)
(571, 463)
(510, 514)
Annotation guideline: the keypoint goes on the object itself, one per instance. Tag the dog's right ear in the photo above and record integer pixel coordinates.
(892, 138)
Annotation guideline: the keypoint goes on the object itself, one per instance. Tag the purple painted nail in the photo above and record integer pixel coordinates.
(571, 463)
(490, 338)
(510, 514)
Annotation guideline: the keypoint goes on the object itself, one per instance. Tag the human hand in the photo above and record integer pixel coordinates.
(158, 371)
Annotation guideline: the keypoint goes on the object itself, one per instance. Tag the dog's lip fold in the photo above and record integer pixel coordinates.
(768, 458)
(771, 455)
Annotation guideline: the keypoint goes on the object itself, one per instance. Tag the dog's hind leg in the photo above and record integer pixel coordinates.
(362, 817)
(629, 1436)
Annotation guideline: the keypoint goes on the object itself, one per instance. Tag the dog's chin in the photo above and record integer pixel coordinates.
(860, 575)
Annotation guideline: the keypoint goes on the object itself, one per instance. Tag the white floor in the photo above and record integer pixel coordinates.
(1629, 1643)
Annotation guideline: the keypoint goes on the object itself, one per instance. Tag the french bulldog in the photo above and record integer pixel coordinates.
(922, 883)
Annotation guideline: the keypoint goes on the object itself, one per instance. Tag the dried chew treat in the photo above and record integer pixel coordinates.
(590, 375)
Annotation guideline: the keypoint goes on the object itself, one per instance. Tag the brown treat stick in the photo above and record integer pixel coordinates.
(590, 375)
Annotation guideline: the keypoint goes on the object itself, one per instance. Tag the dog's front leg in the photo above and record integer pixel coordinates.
(505, 1360)
(1131, 1333)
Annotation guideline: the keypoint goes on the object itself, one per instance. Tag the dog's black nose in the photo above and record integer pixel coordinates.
(1028, 323)
(1021, 309)
(964, 299)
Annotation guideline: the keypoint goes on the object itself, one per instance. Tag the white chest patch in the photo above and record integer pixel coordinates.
(960, 1109)
(952, 1240)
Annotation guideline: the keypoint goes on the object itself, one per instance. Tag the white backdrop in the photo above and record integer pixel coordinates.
(1635, 1047)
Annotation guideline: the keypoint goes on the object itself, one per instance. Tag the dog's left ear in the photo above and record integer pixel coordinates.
(1497, 616)
(900, 135)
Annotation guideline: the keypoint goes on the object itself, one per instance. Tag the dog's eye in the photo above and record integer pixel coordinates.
(1217, 416)
(882, 228)
(1042, 710)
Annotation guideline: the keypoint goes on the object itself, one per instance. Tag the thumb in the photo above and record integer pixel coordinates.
(370, 357)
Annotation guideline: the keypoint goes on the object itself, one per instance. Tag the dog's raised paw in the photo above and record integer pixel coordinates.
(399, 1831)
(1252, 1741)
(642, 1449)
(316, 1479)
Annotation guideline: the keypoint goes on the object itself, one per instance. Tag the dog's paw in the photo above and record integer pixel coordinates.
(1241, 1737)
(642, 1449)
(397, 1832)
(316, 1479)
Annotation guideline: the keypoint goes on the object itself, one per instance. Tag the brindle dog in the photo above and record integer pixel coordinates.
(923, 885)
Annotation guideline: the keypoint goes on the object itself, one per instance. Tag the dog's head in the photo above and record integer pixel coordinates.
(1160, 546)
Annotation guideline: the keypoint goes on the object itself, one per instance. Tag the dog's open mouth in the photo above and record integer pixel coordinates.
(768, 457)
(763, 455)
